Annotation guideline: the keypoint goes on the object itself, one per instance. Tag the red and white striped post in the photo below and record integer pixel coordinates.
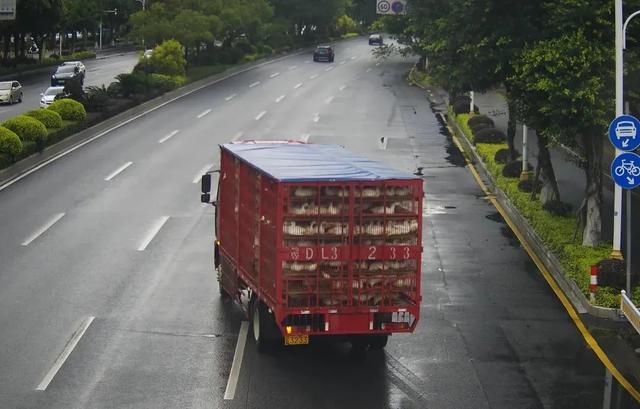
(593, 284)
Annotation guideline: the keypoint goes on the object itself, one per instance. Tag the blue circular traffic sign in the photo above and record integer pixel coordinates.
(624, 133)
(397, 7)
(625, 170)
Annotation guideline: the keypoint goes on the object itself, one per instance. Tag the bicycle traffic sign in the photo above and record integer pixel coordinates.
(624, 133)
(625, 170)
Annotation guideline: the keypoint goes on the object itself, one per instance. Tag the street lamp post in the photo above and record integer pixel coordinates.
(621, 45)
(115, 13)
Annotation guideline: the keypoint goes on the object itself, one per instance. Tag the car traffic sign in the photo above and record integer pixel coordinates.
(625, 170)
(624, 133)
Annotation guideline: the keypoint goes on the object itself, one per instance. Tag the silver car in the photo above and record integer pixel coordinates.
(10, 92)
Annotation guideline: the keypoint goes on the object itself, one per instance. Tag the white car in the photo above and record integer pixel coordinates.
(81, 68)
(47, 97)
(626, 129)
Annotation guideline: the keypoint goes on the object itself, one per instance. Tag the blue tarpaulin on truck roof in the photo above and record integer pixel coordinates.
(298, 162)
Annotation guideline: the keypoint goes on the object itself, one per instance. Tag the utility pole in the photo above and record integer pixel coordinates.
(144, 47)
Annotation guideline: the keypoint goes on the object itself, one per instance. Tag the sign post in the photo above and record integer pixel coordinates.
(624, 134)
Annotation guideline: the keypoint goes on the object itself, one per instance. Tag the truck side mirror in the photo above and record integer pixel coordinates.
(206, 184)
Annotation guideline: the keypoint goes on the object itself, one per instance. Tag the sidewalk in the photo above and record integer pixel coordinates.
(619, 340)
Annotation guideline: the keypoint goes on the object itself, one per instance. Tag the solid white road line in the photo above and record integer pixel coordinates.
(169, 136)
(328, 101)
(313, 77)
(342, 87)
(75, 338)
(280, 98)
(118, 171)
(305, 137)
(43, 229)
(204, 113)
(297, 86)
(316, 117)
(152, 232)
(138, 116)
(328, 69)
(232, 382)
(255, 84)
(230, 97)
(293, 67)
(202, 171)
(260, 115)
(237, 136)
(275, 74)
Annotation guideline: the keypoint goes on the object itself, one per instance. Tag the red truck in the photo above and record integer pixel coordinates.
(318, 242)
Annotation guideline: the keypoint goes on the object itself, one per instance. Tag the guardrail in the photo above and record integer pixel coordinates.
(630, 310)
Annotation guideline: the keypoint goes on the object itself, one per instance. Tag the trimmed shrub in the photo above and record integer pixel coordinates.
(479, 126)
(165, 82)
(167, 58)
(265, 49)
(231, 55)
(612, 273)
(96, 99)
(50, 119)
(513, 169)
(69, 109)
(502, 156)
(480, 119)
(28, 129)
(134, 83)
(558, 208)
(246, 47)
(489, 135)
(463, 108)
(10, 144)
(526, 186)
(461, 99)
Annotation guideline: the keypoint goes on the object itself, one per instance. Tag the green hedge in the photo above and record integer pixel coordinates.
(69, 109)
(50, 119)
(28, 129)
(555, 231)
(10, 143)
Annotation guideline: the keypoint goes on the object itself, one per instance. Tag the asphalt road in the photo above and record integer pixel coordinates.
(107, 253)
(99, 72)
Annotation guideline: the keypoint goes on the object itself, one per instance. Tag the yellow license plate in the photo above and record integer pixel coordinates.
(296, 339)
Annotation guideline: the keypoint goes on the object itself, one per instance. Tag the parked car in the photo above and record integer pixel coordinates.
(375, 39)
(64, 73)
(78, 64)
(50, 95)
(10, 92)
(323, 53)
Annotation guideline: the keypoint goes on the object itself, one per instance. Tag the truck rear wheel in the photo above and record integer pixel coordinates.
(265, 331)
(378, 341)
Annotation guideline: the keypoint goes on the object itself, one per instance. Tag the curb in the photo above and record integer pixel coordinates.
(25, 167)
(550, 261)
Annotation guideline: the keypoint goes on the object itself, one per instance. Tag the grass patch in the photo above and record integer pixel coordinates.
(556, 232)
(420, 78)
(350, 35)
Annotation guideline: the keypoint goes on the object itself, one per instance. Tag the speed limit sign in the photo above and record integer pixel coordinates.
(391, 6)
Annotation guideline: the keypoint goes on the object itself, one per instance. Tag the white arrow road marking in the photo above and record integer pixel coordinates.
(118, 171)
(297, 86)
(255, 84)
(260, 115)
(313, 77)
(328, 100)
(307, 62)
(75, 338)
(152, 232)
(342, 87)
(167, 137)
(293, 67)
(305, 137)
(204, 113)
(237, 136)
(202, 171)
(343, 62)
(280, 98)
(316, 117)
(354, 57)
(328, 69)
(369, 69)
(230, 97)
(232, 382)
(377, 64)
(275, 74)
(43, 229)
